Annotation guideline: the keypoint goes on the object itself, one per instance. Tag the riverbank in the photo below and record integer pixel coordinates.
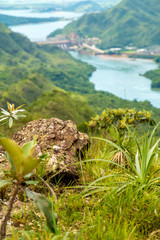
(123, 57)
(112, 57)
(105, 56)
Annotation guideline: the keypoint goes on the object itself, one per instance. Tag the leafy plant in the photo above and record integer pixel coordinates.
(120, 119)
(23, 163)
(115, 125)
(139, 174)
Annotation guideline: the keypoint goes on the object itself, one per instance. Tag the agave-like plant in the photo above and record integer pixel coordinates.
(144, 159)
(139, 173)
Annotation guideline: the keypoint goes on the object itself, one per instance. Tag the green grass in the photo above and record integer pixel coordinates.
(133, 213)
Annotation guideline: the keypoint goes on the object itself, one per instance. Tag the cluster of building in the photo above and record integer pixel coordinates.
(73, 41)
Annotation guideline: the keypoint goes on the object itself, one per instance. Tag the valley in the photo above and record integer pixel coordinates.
(114, 70)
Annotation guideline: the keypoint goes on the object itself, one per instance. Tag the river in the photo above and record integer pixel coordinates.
(121, 77)
(39, 31)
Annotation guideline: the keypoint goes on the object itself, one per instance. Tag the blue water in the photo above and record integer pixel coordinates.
(39, 31)
(122, 77)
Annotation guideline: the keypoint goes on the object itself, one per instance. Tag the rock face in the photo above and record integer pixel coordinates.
(60, 139)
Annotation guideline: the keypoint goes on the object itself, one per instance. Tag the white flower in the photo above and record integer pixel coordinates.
(13, 113)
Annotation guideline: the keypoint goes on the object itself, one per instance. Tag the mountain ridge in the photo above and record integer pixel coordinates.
(128, 23)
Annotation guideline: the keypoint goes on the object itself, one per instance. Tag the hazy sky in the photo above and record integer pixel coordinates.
(38, 1)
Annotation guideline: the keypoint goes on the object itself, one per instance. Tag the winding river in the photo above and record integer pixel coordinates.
(120, 76)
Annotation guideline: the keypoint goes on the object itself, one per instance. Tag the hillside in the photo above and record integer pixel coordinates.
(81, 107)
(11, 20)
(63, 105)
(128, 23)
(28, 70)
(35, 75)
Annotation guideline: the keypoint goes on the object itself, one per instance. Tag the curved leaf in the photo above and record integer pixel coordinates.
(23, 164)
(29, 164)
(45, 206)
(15, 153)
(28, 147)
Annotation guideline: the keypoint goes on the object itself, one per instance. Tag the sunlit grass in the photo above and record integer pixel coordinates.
(103, 204)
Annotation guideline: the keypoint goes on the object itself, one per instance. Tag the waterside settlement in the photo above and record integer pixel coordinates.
(88, 46)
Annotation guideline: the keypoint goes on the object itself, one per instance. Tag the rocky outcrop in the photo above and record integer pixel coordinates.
(61, 140)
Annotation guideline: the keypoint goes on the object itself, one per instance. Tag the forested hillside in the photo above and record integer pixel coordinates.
(28, 70)
(128, 23)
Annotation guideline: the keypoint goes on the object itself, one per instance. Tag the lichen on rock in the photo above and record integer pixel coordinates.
(61, 140)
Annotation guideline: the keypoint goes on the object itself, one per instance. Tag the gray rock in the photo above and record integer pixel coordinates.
(60, 139)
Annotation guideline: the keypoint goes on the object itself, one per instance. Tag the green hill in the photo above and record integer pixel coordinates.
(81, 107)
(28, 70)
(12, 20)
(61, 104)
(128, 23)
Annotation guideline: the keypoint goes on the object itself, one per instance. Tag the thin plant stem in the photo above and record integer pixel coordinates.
(84, 183)
(48, 186)
(8, 212)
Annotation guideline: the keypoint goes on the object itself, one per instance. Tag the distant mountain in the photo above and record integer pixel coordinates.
(84, 6)
(131, 22)
(11, 20)
(67, 5)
